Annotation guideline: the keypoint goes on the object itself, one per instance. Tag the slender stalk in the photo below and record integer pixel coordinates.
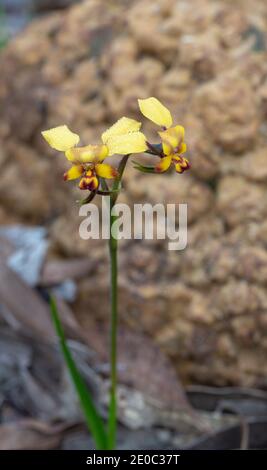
(113, 248)
(112, 419)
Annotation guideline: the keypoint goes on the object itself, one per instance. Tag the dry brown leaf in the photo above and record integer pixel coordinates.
(25, 305)
(55, 272)
(29, 435)
(141, 365)
(6, 248)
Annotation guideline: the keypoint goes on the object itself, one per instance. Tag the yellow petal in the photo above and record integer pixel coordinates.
(105, 171)
(94, 153)
(135, 142)
(121, 127)
(88, 154)
(164, 164)
(172, 139)
(89, 183)
(61, 138)
(183, 148)
(152, 109)
(73, 155)
(73, 173)
(177, 158)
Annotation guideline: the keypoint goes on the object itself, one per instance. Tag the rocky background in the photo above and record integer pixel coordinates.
(85, 66)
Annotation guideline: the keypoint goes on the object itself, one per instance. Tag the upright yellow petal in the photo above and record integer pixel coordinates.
(164, 164)
(152, 109)
(73, 173)
(72, 155)
(135, 142)
(121, 127)
(87, 154)
(61, 138)
(105, 171)
(94, 153)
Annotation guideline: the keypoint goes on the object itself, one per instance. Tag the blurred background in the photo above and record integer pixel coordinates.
(193, 339)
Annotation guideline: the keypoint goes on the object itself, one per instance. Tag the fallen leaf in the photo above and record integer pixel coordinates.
(25, 305)
(29, 435)
(55, 272)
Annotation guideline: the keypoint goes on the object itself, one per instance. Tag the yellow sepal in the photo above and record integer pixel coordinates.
(88, 154)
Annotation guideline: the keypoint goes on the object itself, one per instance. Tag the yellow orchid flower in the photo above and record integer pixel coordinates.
(124, 137)
(172, 137)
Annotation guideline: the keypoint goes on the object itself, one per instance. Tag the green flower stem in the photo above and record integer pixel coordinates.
(113, 249)
(112, 418)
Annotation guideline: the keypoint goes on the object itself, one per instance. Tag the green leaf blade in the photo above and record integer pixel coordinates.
(93, 419)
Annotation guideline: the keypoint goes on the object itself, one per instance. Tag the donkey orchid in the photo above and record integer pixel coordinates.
(172, 138)
(123, 138)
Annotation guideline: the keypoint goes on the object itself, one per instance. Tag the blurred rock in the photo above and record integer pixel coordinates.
(206, 306)
(29, 251)
(35, 5)
(228, 107)
(47, 5)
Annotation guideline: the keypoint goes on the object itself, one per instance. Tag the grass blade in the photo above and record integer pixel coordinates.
(3, 29)
(93, 419)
